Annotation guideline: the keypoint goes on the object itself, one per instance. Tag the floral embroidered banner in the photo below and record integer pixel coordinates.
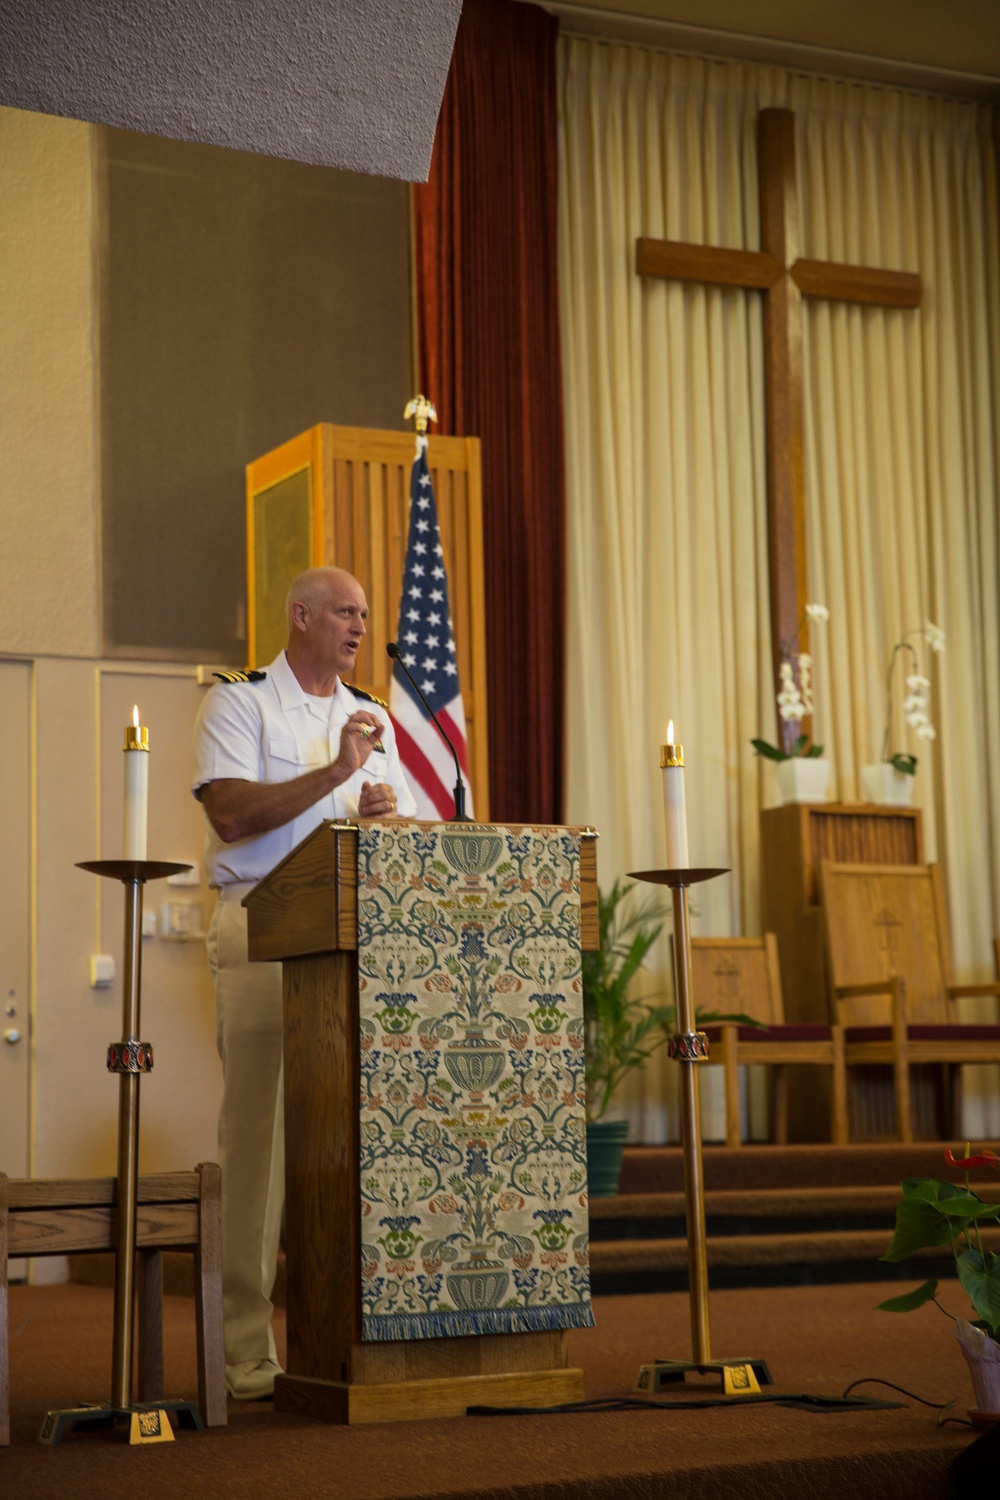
(473, 1135)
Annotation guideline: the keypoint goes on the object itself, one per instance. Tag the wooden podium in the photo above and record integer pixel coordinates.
(305, 915)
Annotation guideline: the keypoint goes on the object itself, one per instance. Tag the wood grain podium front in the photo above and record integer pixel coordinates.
(305, 915)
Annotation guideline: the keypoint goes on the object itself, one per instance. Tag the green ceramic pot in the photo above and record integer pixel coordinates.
(605, 1144)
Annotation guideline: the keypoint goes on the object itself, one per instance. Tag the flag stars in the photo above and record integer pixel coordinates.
(426, 633)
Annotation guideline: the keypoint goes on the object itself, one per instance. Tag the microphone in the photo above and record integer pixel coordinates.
(460, 816)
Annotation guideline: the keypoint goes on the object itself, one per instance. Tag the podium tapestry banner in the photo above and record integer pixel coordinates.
(473, 1136)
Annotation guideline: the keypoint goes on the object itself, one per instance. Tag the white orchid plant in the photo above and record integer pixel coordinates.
(917, 700)
(795, 693)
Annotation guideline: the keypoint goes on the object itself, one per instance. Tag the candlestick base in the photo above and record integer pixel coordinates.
(738, 1377)
(146, 1422)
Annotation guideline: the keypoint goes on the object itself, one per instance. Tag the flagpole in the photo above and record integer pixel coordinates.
(428, 713)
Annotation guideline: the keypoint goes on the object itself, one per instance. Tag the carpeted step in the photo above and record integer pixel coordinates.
(653, 1169)
(772, 1203)
(816, 1248)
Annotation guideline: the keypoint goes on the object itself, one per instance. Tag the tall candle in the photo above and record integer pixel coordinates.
(675, 812)
(136, 788)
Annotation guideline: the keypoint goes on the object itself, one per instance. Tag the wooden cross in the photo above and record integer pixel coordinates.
(785, 278)
(890, 925)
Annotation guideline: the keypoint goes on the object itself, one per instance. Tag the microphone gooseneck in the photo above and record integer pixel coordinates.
(460, 815)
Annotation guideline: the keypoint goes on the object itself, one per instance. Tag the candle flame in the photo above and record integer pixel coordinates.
(670, 732)
(135, 715)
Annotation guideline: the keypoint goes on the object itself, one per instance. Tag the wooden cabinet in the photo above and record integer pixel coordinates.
(794, 840)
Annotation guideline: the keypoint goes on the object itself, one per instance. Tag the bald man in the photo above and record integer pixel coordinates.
(276, 755)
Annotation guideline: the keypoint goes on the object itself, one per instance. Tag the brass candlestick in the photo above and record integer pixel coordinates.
(690, 1047)
(147, 1421)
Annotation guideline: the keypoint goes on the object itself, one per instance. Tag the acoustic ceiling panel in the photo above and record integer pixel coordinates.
(333, 82)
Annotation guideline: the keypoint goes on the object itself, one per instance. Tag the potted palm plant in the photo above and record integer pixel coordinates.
(622, 1029)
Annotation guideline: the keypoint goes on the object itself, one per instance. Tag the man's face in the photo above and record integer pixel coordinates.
(336, 627)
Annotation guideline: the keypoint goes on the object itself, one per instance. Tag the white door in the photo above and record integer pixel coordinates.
(15, 921)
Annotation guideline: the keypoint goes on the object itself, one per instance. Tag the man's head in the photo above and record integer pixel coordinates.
(326, 610)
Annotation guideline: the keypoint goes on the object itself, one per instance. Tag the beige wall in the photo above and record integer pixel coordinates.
(48, 389)
(75, 778)
(49, 614)
(80, 712)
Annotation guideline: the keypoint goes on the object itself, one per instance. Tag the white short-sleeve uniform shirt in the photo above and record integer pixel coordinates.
(270, 731)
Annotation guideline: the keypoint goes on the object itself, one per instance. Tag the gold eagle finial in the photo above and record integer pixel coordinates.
(424, 412)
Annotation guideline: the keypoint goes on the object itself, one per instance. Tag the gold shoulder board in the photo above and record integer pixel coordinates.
(247, 676)
(369, 697)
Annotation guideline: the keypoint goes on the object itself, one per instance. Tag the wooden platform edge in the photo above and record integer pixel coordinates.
(415, 1400)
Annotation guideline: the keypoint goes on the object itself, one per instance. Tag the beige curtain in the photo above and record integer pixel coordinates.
(668, 591)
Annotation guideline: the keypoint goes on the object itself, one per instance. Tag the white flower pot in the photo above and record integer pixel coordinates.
(882, 783)
(802, 780)
(982, 1355)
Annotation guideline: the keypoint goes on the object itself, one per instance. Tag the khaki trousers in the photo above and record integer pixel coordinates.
(248, 1021)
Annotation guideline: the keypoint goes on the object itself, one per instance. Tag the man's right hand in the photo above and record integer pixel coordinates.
(358, 738)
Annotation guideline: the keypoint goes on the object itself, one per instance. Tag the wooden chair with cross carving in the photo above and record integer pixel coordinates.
(742, 974)
(889, 962)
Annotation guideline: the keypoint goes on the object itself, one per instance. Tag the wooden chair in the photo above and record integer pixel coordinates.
(176, 1211)
(742, 974)
(889, 962)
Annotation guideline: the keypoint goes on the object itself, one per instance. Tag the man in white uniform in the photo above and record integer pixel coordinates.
(276, 755)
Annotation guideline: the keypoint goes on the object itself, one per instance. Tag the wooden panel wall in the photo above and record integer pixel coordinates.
(361, 487)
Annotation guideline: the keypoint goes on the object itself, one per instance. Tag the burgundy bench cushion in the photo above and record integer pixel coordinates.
(957, 1033)
(808, 1031)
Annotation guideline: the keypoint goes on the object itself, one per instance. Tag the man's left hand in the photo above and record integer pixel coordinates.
(377, 800)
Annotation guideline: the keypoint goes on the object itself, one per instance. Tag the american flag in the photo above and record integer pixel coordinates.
(427, 645)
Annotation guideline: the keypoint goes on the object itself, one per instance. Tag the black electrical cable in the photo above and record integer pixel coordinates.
(938, 1406)
(696, 1403)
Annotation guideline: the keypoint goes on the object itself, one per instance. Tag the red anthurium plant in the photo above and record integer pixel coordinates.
(936, 1213)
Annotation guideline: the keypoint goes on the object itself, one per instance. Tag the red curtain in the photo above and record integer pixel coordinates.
(488, 332)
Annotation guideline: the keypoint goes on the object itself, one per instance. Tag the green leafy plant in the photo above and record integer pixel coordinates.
(795, 696)
(935, 1213)
(622, 1030)
(802, 747)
